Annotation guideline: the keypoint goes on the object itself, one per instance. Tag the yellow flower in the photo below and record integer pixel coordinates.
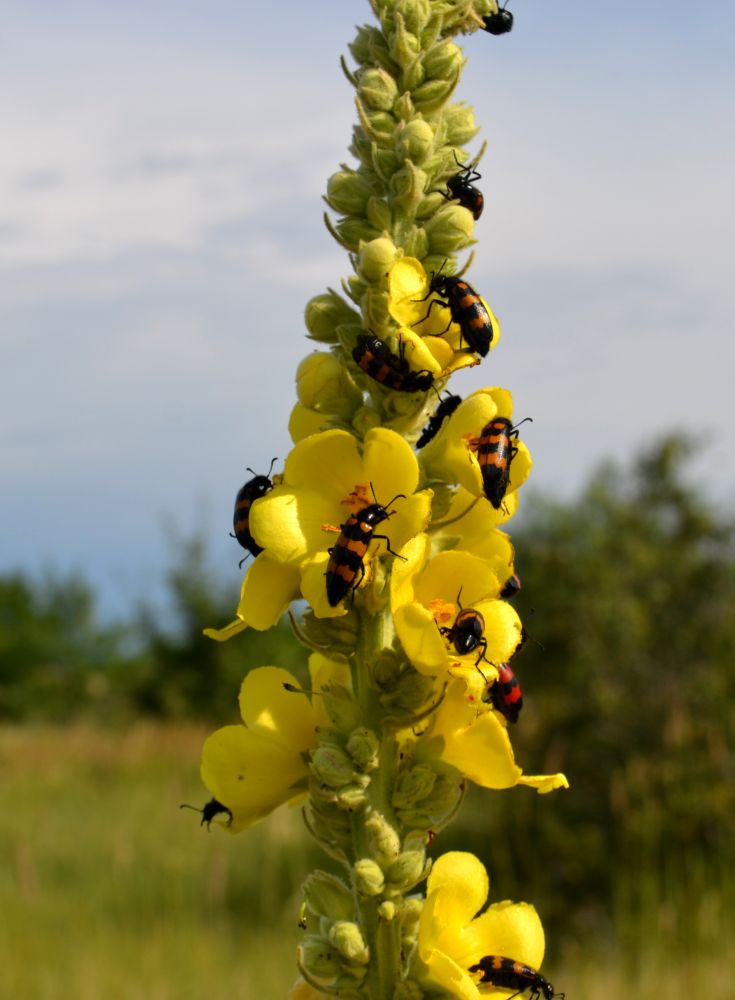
(409, 304)
(325, 479)
(452, 938)
(426, 594)
(450, 456)
(469, 735)
(278, 732)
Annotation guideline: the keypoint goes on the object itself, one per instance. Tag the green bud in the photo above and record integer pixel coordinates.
(384, 842)
(431, 95)
(385, 161)
(348, 192)
(380, 126)
(386, 668)
(409, 989)
(323, 384)
(354, 231)
(451, 229)
(331, 766)
(379, 214)
(324, 313)
(387, 910)
(375, 308)
(365, 419)
(376, 258)
(410, 692)
(416, 243)
(408, 185)
(403, 109)
(368, 876)
(341, 707)
(415, 141)
(444, 62)
(361, 48)
(353, 797)
(347, 938)
(332, 635)
(413, 784)
(403, 45)
(413, 76)
(363, 746)
(319, 960)
(328, 896)
(408, 869)
(436, 807)
(377, 89)
(409, 913)
(459, 125)
(415, 13)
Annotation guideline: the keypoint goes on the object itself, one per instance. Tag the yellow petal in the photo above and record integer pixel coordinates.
(268, 708)
(390, 464)
(314, 587)
(223, 634)
(544, 783)
(327, 463)
(267, 590)
(421, 639)
(503, 629)
(304, 422)
(322, 671)
(510, 929)
(482, 752)
(447, 973)
(460, 882)
(419, 351)
(414, 555)
(448, 573)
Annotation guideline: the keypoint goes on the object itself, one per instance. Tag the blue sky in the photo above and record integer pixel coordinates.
(160, 231)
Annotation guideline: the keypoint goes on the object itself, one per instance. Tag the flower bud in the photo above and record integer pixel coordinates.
(348, 192)
(318, 959)
(403, 45)
(378, 214)
(409, 913)
(324, 313)
(450, 229)
(328, 896)
(408, 990)
(323, 384)
(386, 161)
(361, 47)
(376, 258)
(416, 243)
(408, 869)
(347, 938)
(436, 807)
(386, 668)
(354, 230)
(377, 89)
(413, 785)
(375, 309)
(369, 878)
(410, 692)
(443, 62)
(413, 76)
(408, 185)
(387, 910)
(459, 124)
(331, 766)
(415, 141)
(431, 95)
(363, 747)
(416, 14)
(385, 844)
(353, 797)
(364, 420)
(341, 707)
(403, 109)
(338, 634)
(380, 126)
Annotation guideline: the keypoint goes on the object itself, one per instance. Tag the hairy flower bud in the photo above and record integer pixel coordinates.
(444, 62)
(369, 877)
(363, 747)
(331, 766)
(378, 213)
(387, 910)
(328, 896)
(415, 141)
(386, 668)
(408, 185)
(408, 869)
(341, 707)
(348, 192)
(354, 230)
(450, 229)
(353, 797)
(415, 13)
(323, 384)
(365, 419)
(404, 45)
(385, 843)
(403, 109)
(325, 313)
(377, 89)
(459, 124)
(347, 938)
(376, 258)
(318, 959)
(412, 785)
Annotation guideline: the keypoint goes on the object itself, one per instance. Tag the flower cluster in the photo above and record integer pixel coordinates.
(387, 520)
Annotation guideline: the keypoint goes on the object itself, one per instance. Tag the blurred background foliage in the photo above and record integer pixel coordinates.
(628, 686)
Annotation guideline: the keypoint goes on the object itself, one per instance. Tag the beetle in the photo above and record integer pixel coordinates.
(445, 409)
(252, 490)
(461, 188)
(209, 810)
(499, 23)
(508, 974)
(505, 694)
(346, 558)
(466, 308)
(495, 451)
(373, 356)
(466, 634)
(511, 588)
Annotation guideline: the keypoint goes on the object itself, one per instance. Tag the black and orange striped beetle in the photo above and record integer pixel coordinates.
(252, 490)
(466, 634)
(511, 588)
(505, 694)
(495, 452)
(346, 558)
(445, 409)
(466, 309)
(511, 975)
(460, 188)
(499, 23)
(209, 810)
(373, 356)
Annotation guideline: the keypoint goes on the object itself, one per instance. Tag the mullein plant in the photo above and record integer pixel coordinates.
(400, 556)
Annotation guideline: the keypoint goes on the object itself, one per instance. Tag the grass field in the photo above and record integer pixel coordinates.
(109, 892)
